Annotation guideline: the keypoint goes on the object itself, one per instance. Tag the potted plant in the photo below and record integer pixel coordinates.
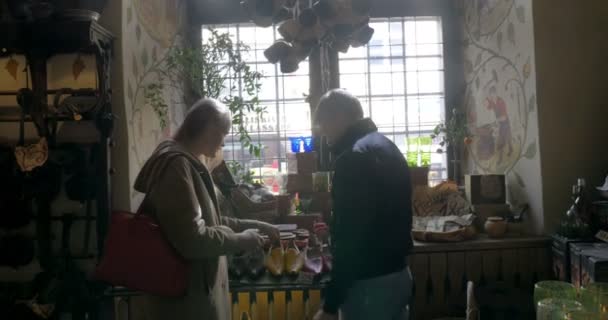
(418, 156)
(452, 135)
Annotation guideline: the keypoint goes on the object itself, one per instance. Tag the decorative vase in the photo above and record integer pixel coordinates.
(496, 227)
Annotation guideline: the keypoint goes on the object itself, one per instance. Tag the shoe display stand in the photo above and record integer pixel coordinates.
(60, 288)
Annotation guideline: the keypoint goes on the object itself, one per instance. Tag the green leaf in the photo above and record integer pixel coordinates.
(519, 179)
(531, 151)
(532, 103)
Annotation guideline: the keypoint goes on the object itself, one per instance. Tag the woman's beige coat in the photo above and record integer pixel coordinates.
(180, 195)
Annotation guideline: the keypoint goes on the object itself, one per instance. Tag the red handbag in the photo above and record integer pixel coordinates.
(138, 256)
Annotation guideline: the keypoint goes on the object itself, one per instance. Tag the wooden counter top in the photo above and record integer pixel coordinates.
(482, 243)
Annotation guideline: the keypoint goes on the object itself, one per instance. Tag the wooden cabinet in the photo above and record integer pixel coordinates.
(441, 271)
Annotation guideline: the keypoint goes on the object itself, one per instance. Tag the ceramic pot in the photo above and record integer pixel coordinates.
(277, 51)
(307, 18)
(289, 30)
(362, 37)
(496, 227)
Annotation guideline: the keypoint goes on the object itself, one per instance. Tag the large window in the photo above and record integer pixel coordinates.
(399, 78)
(283, 95)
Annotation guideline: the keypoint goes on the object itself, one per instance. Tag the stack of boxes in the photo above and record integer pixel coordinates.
(562, 268)
(300, 169)
(588, 263)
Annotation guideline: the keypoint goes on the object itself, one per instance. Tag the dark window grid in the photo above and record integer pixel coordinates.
(402, 48)
(279, 103)
(417, 132)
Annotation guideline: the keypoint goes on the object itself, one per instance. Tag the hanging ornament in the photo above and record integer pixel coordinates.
(307, 18)
(277, 51)
(11, 67)
(362, 36)
(77, 67)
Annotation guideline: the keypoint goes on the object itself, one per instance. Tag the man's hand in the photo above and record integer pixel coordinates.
(250, 240)
(325, 316)
(271, 231)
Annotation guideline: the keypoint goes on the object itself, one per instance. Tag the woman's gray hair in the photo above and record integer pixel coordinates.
(203, 113)
(339, 102)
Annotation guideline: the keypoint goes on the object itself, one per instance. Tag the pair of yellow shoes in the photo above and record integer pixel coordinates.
(289, 261)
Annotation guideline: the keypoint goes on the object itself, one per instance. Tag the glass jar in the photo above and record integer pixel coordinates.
(321, 181)
(554, 309)
(594, 297)
(553, 290)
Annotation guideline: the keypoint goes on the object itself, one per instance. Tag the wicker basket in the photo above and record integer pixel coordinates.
(462, 234)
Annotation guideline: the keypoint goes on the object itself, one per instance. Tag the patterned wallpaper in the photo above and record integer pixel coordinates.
(150, 28)
(500, 98)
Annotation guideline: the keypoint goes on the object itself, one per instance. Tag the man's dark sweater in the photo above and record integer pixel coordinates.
(372, 212)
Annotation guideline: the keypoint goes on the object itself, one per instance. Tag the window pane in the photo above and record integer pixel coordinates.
(293, 87)
(420, 64)
(283, 96)
(405, 98)
(355, 84)
(356, 66)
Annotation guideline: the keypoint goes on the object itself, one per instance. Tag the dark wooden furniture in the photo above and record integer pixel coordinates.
(441, 270)
(38, 41)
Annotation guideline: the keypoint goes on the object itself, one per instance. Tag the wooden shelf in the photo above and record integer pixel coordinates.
(52, 37)
(482, 243)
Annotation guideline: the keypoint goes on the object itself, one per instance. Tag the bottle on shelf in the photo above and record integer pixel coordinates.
(575, 223)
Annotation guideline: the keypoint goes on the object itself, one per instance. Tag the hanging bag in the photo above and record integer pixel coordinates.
(138, 256)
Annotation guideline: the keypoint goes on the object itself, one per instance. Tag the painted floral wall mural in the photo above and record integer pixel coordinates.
(151, 27)
(500, 96)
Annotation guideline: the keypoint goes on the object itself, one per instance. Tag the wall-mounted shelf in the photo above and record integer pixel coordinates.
(53, 37)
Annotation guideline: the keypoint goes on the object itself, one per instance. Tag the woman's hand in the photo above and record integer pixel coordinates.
(270, 230)
(250, 240)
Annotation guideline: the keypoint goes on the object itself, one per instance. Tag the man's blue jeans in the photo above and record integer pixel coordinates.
(381, 298)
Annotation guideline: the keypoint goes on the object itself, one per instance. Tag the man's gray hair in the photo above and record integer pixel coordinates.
(339, 102)
(203, 113)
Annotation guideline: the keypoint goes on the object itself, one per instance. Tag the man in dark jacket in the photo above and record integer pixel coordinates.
(372, 216)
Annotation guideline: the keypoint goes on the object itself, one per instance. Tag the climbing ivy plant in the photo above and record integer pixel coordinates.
(216, 70)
